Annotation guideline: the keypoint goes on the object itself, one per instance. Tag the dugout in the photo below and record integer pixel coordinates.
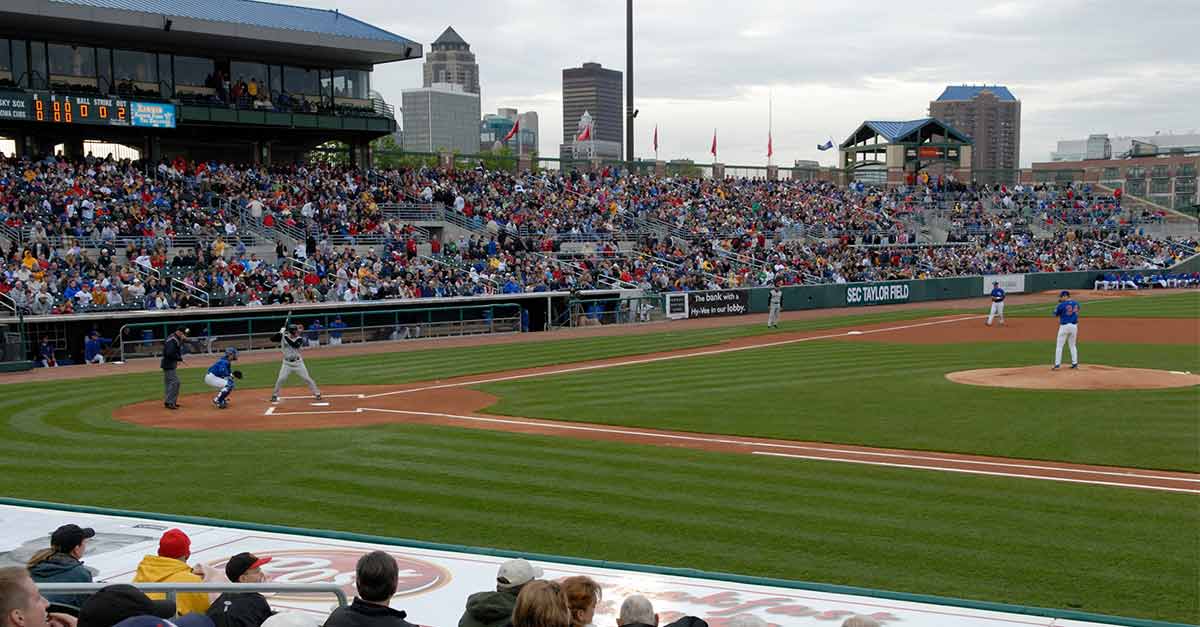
(237, 80)
(467, 315)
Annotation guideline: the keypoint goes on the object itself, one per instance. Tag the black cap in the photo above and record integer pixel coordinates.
(242, 562)
(67, 537)
(1064, 293)
(113, 604)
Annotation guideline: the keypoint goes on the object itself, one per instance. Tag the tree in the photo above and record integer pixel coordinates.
(499, 159)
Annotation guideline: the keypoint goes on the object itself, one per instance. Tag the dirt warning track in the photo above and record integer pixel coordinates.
(434, 403)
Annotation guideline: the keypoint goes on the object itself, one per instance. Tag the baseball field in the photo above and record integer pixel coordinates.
(832, 449)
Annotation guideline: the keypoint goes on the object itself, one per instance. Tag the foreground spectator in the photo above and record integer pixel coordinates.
(747, 620)
(242, 609)
(376, 579)
(860, 621)
(61, 562)
(190, 620)
(636, 611)
(21, 605)
(583, 594)
(541, 604)
(495, 609)
(113, 604)
(170, 566)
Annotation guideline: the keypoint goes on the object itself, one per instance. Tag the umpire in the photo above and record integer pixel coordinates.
(172, 355)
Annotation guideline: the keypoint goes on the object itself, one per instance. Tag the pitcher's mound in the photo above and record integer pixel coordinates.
(1087, 377)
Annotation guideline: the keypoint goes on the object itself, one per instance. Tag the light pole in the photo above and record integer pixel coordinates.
(629, 111)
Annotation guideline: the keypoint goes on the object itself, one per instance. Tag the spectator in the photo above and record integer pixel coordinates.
(376, 579)
(61, 562)
(860, 621)
(541, 604)
(242, 609)
(113, 604)
(495, 609)
(170, 566)
(583, 593)
(636, 611)
(21, 605)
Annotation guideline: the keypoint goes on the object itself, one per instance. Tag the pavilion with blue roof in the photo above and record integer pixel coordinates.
(895, 152)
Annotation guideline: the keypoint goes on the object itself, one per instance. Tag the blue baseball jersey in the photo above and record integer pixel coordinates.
(1067, 312)
(997, 295)
(221, 368)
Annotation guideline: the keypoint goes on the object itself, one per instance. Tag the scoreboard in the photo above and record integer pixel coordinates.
(51, 108)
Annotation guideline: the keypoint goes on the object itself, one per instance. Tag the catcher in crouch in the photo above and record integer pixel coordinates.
(221, 375)
(291, 341)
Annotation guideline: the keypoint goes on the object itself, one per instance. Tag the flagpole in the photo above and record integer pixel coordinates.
(770, 125)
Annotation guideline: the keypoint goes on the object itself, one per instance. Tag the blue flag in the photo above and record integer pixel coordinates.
(826, 146)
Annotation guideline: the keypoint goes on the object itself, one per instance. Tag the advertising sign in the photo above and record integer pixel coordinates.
(877, 294)
(722, 303)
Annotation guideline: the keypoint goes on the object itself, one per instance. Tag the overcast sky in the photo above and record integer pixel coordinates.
(1119, 67)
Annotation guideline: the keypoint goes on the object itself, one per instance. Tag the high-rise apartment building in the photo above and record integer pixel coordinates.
(597, 91)
(991, 116)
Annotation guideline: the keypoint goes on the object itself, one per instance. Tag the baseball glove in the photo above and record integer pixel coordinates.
(237, 374)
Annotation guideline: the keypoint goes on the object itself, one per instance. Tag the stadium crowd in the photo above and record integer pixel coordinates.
(100, 233)
(521, 597)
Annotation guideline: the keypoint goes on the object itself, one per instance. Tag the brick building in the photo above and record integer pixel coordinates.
(991, 116)
(1169, 181)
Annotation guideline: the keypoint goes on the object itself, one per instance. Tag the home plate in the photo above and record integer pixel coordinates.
(853, 332)
(320, 404)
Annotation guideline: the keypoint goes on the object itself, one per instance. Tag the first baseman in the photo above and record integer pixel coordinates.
(292, 361)
(220, 375)
(997, 303)
(1068, 328)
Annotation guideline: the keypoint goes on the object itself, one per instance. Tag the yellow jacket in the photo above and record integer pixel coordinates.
(155, 569)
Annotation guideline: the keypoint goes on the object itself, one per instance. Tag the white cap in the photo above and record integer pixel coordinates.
(292, 619)
(515, 573)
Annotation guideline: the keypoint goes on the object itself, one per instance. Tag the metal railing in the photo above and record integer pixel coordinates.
(145, 339)
(171, 589)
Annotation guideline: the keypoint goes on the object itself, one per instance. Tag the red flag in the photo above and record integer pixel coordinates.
(585, 135)
(655, 139)
(516, 127)
(714, 146)
(770, 148)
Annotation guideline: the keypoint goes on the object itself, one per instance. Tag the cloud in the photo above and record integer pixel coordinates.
(1078, 67)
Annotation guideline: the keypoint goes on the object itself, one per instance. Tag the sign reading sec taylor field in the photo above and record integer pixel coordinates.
(877, 294)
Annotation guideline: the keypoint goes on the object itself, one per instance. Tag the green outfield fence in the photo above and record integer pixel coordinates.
(642, 568)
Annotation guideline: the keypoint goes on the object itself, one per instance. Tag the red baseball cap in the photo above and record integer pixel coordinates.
(174, 544)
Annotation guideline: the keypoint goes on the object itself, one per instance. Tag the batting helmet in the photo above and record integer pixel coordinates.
(231, 353)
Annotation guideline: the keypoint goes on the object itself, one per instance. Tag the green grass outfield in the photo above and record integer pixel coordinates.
(892, 395)
(1094, 548)
(1174, 305)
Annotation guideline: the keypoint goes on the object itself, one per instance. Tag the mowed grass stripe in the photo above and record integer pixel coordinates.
(891, 395)
(1182, 304)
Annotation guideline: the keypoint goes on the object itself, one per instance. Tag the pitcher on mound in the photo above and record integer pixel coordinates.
(290, 342)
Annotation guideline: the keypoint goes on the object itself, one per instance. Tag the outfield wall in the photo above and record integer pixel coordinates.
(705, 304)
